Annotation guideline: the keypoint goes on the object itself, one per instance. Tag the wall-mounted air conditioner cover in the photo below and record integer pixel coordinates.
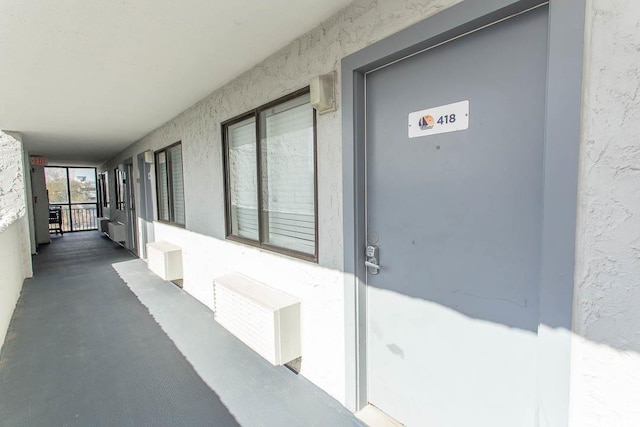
(104, 225)
(165, 259)
(265, 319)
(117, 232)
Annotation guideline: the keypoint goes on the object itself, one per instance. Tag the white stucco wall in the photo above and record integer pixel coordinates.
(29, 203)
(15, 245)
(40, 205)
(605, 374)
(206, 253)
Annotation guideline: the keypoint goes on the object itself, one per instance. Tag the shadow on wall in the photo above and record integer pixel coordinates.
(510, 303)
(13, 270)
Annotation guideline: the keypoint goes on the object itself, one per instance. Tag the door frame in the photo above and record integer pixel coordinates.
(142, 211)
(130, 208)
(145, 201)
(562, 140)
(69, 203)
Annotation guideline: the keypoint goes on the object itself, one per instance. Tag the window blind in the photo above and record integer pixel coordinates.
(288, 179)
(243, 180)
(163, 187)
(177, 183)
(120, 189)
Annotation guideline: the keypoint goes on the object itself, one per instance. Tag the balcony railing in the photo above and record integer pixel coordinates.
(79, 217)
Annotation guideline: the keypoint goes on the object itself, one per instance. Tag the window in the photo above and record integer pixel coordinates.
(121, 179)
(170, 184)
(270, 177)
(103, 186)
(74, 193)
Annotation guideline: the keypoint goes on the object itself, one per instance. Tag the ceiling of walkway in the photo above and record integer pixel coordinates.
(83, 79)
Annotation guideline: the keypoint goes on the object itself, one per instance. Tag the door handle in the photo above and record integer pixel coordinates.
(372, 265)
(371, 262)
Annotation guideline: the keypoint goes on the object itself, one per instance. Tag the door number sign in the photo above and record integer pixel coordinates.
(443, 119)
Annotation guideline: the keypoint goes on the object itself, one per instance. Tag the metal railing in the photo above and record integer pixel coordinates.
(81, 217)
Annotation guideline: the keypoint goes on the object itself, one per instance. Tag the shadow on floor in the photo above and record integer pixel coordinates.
(82, 351)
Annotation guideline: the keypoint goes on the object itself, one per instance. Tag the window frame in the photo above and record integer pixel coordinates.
(102, 185)
(120, 189)
(260, 243)
(170, 198)
(104, 201)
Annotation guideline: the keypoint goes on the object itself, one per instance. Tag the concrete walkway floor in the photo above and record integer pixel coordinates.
(99, 340)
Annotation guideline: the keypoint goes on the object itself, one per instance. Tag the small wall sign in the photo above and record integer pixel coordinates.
(443, 119)
(38, 160)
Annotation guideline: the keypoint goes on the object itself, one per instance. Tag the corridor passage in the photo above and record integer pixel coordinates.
(84, 350)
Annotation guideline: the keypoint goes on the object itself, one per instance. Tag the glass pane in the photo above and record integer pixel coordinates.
(82, 182)
(84, 217)
(120, 188)
(105, 197)
(66, 224)
(243, 181)
(177, 183)
(163, 188)
(288, 186)
(57, 185)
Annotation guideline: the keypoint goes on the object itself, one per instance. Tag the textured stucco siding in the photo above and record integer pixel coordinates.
(28, 190)
(12, 203)
(207, 254)
(605, 374)
(15, 244)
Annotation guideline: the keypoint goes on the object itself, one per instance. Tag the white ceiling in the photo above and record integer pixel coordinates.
(83, 79)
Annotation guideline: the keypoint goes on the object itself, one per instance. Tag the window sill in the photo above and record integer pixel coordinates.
(265, 247)
(173, 224)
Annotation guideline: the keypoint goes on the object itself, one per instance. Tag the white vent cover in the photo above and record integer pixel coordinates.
(165, 259)
(104, 225)
(265, 319)
(117, 231)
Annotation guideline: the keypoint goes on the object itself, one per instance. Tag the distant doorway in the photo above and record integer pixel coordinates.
(73, 190)
(130, 203)
(145, 213)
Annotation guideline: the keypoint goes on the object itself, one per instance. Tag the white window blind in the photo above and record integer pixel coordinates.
(177, 183)
(163, 187)
(170, 185)
(288, 178)
(270, 166)
(243, 185)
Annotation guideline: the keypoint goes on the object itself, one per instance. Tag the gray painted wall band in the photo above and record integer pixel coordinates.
(561, 158)
(565, 62)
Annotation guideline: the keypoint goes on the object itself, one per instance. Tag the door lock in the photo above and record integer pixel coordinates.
(372, 253)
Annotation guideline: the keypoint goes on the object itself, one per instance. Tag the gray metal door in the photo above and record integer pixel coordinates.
(146, 205)
(452, 313)
(132, 219)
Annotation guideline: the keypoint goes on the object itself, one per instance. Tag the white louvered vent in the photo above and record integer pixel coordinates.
(165, 259)
(104, 224)
(117, 231)
(265, 319)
